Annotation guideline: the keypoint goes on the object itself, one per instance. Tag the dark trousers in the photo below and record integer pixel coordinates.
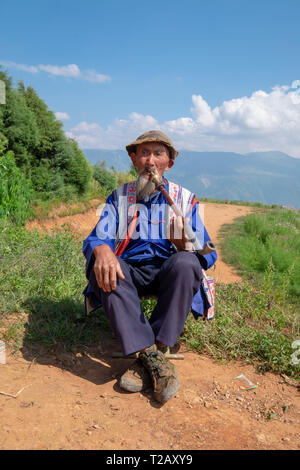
(174, 283)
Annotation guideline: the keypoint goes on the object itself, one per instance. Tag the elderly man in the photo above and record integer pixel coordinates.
(140, 247)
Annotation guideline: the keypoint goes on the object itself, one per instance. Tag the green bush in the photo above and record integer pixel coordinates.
(15, 190)
(46, 179)
(78, 171)
(107, 179)
(71, 164)
(123, 178)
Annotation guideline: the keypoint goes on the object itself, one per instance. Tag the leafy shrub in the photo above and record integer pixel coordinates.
(106, 179)
(71, 163)
(78, 172)
(15, 190)
(123, 178)
(46, 179)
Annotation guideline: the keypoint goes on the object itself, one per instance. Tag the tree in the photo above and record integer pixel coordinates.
(52, 162)
(106, 179)
(7, 81)
(78, 172)
(73, 164)
(15, 190)
(20, 128)
(50, 129)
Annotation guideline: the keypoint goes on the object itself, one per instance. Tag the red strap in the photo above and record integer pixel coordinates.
(121, 248)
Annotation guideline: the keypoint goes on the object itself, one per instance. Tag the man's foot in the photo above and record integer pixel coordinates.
(163, 348)
(163, 374)
(136, 378)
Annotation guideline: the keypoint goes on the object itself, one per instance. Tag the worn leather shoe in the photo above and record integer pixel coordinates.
(136, 378)
(163, 374)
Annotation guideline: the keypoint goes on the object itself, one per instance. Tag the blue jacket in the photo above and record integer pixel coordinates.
(145, 246)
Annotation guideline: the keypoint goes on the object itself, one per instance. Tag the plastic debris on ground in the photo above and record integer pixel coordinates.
(245, 380)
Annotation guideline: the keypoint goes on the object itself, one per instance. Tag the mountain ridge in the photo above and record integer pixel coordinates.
(269, 177)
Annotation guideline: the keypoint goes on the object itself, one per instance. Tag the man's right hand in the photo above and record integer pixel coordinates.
(107, 268)
(177, 234)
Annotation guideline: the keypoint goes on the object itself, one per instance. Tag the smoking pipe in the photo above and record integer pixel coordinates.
(209, 247)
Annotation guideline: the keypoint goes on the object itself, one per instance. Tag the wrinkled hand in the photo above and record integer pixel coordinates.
(107, 268)
(178, 236)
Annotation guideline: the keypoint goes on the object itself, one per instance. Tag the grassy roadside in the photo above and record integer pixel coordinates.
(58, 209)
(42, 279)
(259, 319)
(269, 240)
(55, 207)
(237, 202)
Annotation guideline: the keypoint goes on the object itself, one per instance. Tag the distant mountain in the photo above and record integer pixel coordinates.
(267, 177)
(117, 158)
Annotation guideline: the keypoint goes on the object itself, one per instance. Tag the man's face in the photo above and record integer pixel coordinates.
(152, 155)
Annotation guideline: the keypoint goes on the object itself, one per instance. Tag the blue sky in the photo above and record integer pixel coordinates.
(214, 75)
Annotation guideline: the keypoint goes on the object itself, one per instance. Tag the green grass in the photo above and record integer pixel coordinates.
(250, 326)
(43, 204)
(237, 202)
(42, 278)
(254, 242)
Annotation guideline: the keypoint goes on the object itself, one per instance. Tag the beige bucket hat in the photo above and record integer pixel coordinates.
(153, 136)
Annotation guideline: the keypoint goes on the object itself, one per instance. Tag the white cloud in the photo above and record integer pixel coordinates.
(92, 76)
(202, 112)
(92, 135)
(62, 116)
(295, 84)
(69, 71)
(261, 122)
(26, 68)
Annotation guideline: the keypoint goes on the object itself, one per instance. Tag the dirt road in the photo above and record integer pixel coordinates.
(72, 401)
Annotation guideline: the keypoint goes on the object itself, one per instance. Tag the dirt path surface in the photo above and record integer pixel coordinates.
(72, 400)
